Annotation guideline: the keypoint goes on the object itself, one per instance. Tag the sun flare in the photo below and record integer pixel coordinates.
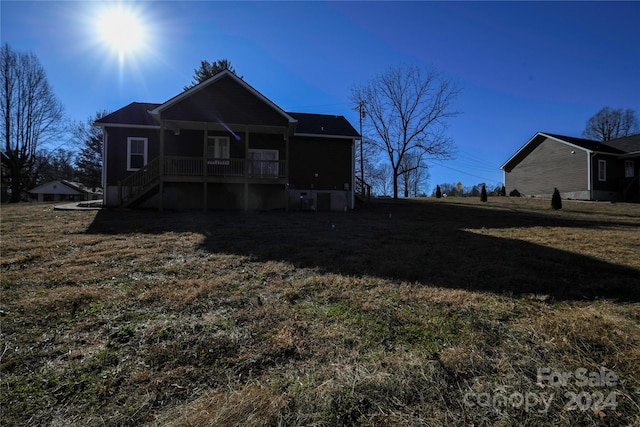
(122, 31)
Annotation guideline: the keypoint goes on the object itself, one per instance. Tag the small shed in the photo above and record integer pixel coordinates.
(59, 191)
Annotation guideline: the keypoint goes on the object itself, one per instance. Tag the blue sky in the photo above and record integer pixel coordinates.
(523, 66)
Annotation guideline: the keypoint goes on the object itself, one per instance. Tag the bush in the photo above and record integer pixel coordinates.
(556, 201)
(503, 191)
(483, 194)
(514, 193)
(438, 192)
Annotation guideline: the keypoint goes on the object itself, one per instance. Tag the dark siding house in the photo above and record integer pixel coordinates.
(223, 145)
(581, 169)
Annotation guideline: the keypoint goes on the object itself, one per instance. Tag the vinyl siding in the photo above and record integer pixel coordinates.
(320, 163)
(549, 165)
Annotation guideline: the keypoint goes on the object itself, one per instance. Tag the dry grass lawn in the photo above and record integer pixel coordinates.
(423, 312)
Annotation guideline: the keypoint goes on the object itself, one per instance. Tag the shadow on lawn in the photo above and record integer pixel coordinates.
(415, 242)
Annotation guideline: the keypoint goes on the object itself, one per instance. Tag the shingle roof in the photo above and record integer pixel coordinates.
(137, 114)
(628, 144)
(323, 124)
(588, 144)
(617, 147)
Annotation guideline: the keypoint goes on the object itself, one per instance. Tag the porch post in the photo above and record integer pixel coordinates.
(161, 167)
(246, 169)
(286, 171)
(205, 141)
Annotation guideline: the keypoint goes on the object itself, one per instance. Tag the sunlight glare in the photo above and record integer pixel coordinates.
(122, 32)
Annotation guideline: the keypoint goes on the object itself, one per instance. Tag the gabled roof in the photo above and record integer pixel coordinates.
(66, 187)
(146, 115)
(617, 147)
(217, 77)
(323, 124)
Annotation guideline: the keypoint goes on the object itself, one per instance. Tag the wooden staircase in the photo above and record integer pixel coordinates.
(363, 191)
(140, 183)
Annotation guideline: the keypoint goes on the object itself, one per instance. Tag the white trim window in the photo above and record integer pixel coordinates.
(137, 150)
(217, 147)
(628, 169)
(264, 163)
(602, 170)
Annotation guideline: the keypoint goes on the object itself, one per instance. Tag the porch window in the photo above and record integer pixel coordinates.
(628, 168)
(136, 153)
(217, 148)
(263, 163)
(602, 170)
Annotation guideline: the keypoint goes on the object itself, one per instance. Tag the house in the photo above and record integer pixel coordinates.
(580, 168)
(223, 145)
(58, 191)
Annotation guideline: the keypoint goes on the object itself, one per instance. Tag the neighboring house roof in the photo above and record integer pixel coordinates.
(64, 187)
(618, 147)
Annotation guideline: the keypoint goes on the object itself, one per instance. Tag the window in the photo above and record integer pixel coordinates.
(628, 168)
(602, 170)
(136, 153)
(217, 147)
(263, 163)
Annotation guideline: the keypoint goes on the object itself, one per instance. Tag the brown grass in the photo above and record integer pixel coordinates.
(389, 315)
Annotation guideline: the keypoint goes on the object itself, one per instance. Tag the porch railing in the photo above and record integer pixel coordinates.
(363, 190)
(195, 166)
(146, 178)
(139, 181)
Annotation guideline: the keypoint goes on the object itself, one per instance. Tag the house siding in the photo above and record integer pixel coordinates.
(551, 164)
(320, 163)
(117, 150)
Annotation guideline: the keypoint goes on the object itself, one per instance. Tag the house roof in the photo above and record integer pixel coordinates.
(225, 74)
(66, 187)
(323, 124)
(628, 144)
(617, 147)
(144, 114)
(135, 114)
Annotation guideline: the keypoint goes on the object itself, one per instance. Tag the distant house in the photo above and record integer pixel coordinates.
(58, 191)
(223, 145)
(580, 168)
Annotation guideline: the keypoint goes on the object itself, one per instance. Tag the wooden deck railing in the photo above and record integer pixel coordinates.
(146, 178)
(363, 190)
(139, 181)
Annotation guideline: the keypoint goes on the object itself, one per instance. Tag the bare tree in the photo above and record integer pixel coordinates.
(209, 69)
(414, 174)
(407, 109)
(89, 159)
(31, 115)
(608, 124)
(381, 179)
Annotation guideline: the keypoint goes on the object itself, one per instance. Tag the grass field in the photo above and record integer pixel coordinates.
(422, 312)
